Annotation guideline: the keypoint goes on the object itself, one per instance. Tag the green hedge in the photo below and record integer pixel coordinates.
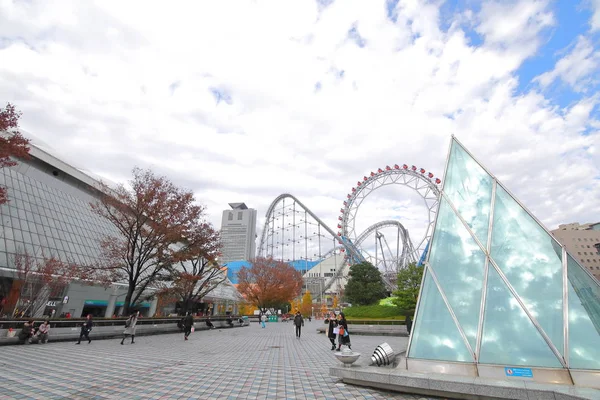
(374, 311)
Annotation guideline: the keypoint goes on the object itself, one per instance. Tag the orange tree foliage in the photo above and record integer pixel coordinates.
(268, 283)
(152, 220)
(306, 304)
(12, 143)
(40, 279)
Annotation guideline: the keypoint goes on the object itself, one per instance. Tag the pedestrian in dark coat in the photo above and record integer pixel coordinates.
(409, 324)
(188, 323)
(344, 338)
(330, 334)
(86, 328)
(130, 326)
(299, 323)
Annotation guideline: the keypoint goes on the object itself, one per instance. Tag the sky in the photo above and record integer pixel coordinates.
(241, 101)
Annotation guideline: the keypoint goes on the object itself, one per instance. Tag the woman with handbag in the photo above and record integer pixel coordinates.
(332, 330)
(343, 335)
(130, 327)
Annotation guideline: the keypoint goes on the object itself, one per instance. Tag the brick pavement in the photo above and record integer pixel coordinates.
(243, 363)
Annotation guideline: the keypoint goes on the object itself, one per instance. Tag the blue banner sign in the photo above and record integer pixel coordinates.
(519, 372)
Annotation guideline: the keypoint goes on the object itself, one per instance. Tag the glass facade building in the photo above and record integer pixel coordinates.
(49, 215)
(500, 294)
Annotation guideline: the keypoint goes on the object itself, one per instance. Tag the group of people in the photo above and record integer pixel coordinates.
(30, 334)
(338, 328)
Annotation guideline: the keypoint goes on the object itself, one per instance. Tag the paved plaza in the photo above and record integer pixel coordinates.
(240, 363)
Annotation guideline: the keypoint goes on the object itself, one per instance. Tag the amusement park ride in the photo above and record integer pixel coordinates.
(293, 233)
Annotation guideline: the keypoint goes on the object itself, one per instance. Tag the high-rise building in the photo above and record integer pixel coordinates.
(238, 233)
(583, 242)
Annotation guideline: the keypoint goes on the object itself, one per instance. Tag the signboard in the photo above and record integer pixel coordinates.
(101, 303)
(65, 299)
(51, 303)
(518, 372)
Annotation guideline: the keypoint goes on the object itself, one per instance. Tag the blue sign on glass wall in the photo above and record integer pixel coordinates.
(520, 372)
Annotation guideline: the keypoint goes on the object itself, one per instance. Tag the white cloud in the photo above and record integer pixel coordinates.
(514, 24)
(96, 79)
(595, 21)
(578, 69)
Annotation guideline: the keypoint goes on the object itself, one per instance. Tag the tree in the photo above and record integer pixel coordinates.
(38, 280)
(151, 220)
(365, 285)
(197, 272)
(268, 282)
(306, 304)
(12, 143)
(409, 284)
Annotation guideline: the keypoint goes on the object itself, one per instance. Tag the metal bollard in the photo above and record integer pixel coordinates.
(383, 355)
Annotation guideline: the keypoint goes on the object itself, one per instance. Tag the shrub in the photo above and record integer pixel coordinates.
(374, 311)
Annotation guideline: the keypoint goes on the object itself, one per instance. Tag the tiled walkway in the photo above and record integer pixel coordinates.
(241, 363)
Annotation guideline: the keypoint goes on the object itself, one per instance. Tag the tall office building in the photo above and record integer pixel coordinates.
(238, 233)
(583, 242)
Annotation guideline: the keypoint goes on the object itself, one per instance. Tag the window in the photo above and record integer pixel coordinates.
(230, 217)
(240, 214)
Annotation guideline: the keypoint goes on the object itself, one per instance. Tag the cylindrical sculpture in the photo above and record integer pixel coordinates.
(383, 355)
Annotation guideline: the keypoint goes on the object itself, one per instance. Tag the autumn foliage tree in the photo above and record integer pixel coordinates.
(151, 220)
(306, 304)
(197, 273)
(12, 143)
(268, 282)
(38, 280)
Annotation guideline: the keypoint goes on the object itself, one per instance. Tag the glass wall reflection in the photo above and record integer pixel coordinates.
(459, 265)
(531, 260)
(435, 335)
(509, 336)
(584, 318)
(469, 188)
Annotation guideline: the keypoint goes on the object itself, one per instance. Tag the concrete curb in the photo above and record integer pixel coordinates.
(373, 330)
(457, 387)
(117, 332)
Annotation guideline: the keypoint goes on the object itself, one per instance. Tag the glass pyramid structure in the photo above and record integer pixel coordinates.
(498, 289)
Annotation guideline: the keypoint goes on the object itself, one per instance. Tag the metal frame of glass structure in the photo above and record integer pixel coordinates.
(500, 297)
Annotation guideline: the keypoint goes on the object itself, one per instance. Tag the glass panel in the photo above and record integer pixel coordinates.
(459, 264)
(435, 335)
(584, 318)
(509, 336)
(469, 189)
(531, 260)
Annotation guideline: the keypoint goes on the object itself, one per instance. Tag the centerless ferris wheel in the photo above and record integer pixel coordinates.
(389, 262)
(293, 233)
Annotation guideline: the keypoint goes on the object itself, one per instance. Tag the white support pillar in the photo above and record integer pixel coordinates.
(112, 300)
(153, 306)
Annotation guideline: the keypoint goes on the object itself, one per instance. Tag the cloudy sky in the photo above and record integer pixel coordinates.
(245, 100)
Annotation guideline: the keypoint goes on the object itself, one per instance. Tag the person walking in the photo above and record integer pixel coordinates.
(130, 327)
(409, 324)
(299, 323)
(343, 335)
(43, 331)
(263, 319)
(331, 334)
(188, 323)
(86, 328)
